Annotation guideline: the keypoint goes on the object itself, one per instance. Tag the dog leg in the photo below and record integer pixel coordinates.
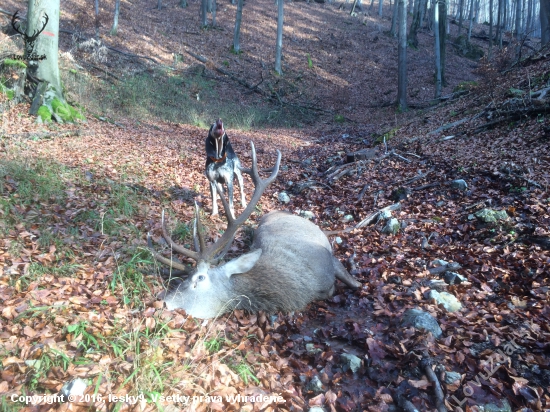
(214, 193)
(241, 185)
(230, 195)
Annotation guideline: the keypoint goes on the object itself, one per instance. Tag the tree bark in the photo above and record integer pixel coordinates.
(237, 31)
(380, 4)
(490, 30)
(443, 38)
(544, 22)
(279, 41)
(418, 13)
(96, 22)
(204, 11)
(402, 58)
(393, 29)
(114, 29)
(460, 14)
(471, 18)
(46, 70)
(437, 51)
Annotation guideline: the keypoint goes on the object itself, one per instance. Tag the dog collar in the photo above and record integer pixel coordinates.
(218, 160)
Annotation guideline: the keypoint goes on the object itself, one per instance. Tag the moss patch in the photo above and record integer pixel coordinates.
(45, 114)
(65, 111)
(14, 63)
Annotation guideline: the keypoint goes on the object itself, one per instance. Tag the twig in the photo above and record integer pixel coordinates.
(425, 364)
(362, 193)
(426, 186)
(449, 125)
(532, 182)
(369, 219)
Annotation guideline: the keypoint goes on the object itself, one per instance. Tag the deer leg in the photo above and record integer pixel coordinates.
(343, 275)
(214, 193)
(241, 186)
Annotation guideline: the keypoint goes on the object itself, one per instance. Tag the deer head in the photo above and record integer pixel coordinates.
(29, 40)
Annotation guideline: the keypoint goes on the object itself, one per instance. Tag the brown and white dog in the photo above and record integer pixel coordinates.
(222, 164)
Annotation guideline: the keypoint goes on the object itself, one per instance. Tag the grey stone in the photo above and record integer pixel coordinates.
(422, 320)
(350, 362)
(392, 227)
(459, 184)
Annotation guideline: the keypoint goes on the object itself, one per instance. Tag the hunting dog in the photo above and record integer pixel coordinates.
(222, 164)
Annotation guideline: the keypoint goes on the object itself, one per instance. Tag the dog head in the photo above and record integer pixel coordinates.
(217, 133)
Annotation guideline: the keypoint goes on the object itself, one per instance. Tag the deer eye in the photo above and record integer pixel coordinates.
(201, 277)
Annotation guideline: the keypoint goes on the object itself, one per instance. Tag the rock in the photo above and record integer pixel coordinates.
(392, 227)
(347, 219)
(421, 320)
(440, 203)
(491, 216)
(452, 377)
(307, 214)
(385, 214)
(459, 184)
(467, 49)
(283, 197)
(491, 407)
(311, 349)
(338, 240)
(453, 278)
(76, 387)
(316, 409)
(350, 362)
(438, 262)
(315, 385)
(449, 302)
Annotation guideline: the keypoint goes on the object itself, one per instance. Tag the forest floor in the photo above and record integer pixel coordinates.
(78, 287)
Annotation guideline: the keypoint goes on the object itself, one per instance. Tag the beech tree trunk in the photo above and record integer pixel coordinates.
(544, 22)
(393, 29)
(402, 57)
(114, 29)
(442, 6)
(47, 69)
(471, 17)
(437, 50)
(418, 15)
(96, 23)
(237, 32)
(204, 11)
(279, 41)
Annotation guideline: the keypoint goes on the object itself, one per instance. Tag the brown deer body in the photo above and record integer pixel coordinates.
(291, 264)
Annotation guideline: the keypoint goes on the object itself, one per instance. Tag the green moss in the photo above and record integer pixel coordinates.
(14, 63)
(65, 111)
(45, 114)
(8, 92)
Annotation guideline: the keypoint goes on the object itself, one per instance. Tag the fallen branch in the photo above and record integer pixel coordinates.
(444, 268)
(369, 219)
(449, 126)
(532, 182)
(426, 365)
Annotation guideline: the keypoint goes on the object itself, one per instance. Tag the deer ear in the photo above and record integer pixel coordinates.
(242, 264)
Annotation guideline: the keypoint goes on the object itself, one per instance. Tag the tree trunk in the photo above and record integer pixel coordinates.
(490, 29)
(237, 32)
(204, 11)
(46, 70)
(544, 22)
(471, 17)
(442, 6)
(418, 13)
(380, 4)
(183, 3)
(279, 42)
(519, 11)
(114, 29)
(402, 57)
(437, 51)
(213, 11)
(96, 23)
(460, 13)
(393, 29)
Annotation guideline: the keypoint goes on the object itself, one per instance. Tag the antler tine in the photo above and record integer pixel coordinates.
(13, 21)
(168, 262)
(37, 32)
(233, 224)
(174, 246)
(198, 237)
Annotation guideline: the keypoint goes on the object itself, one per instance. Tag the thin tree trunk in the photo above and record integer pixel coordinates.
(213, 11)
(443, 38)
(460, 14)
(402, 57)
(490, 30)
(418, 14)
(279, 43)
(437, 51)
(544, 22)
(204, 12)
(471, 20)
(159, 4)
(237, 32)
(393, 29)
(380, 4)
(114, 29)
(517, 29)
(96, 22)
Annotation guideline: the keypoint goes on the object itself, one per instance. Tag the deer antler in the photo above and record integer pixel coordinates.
(215, 252)
(15, 18)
